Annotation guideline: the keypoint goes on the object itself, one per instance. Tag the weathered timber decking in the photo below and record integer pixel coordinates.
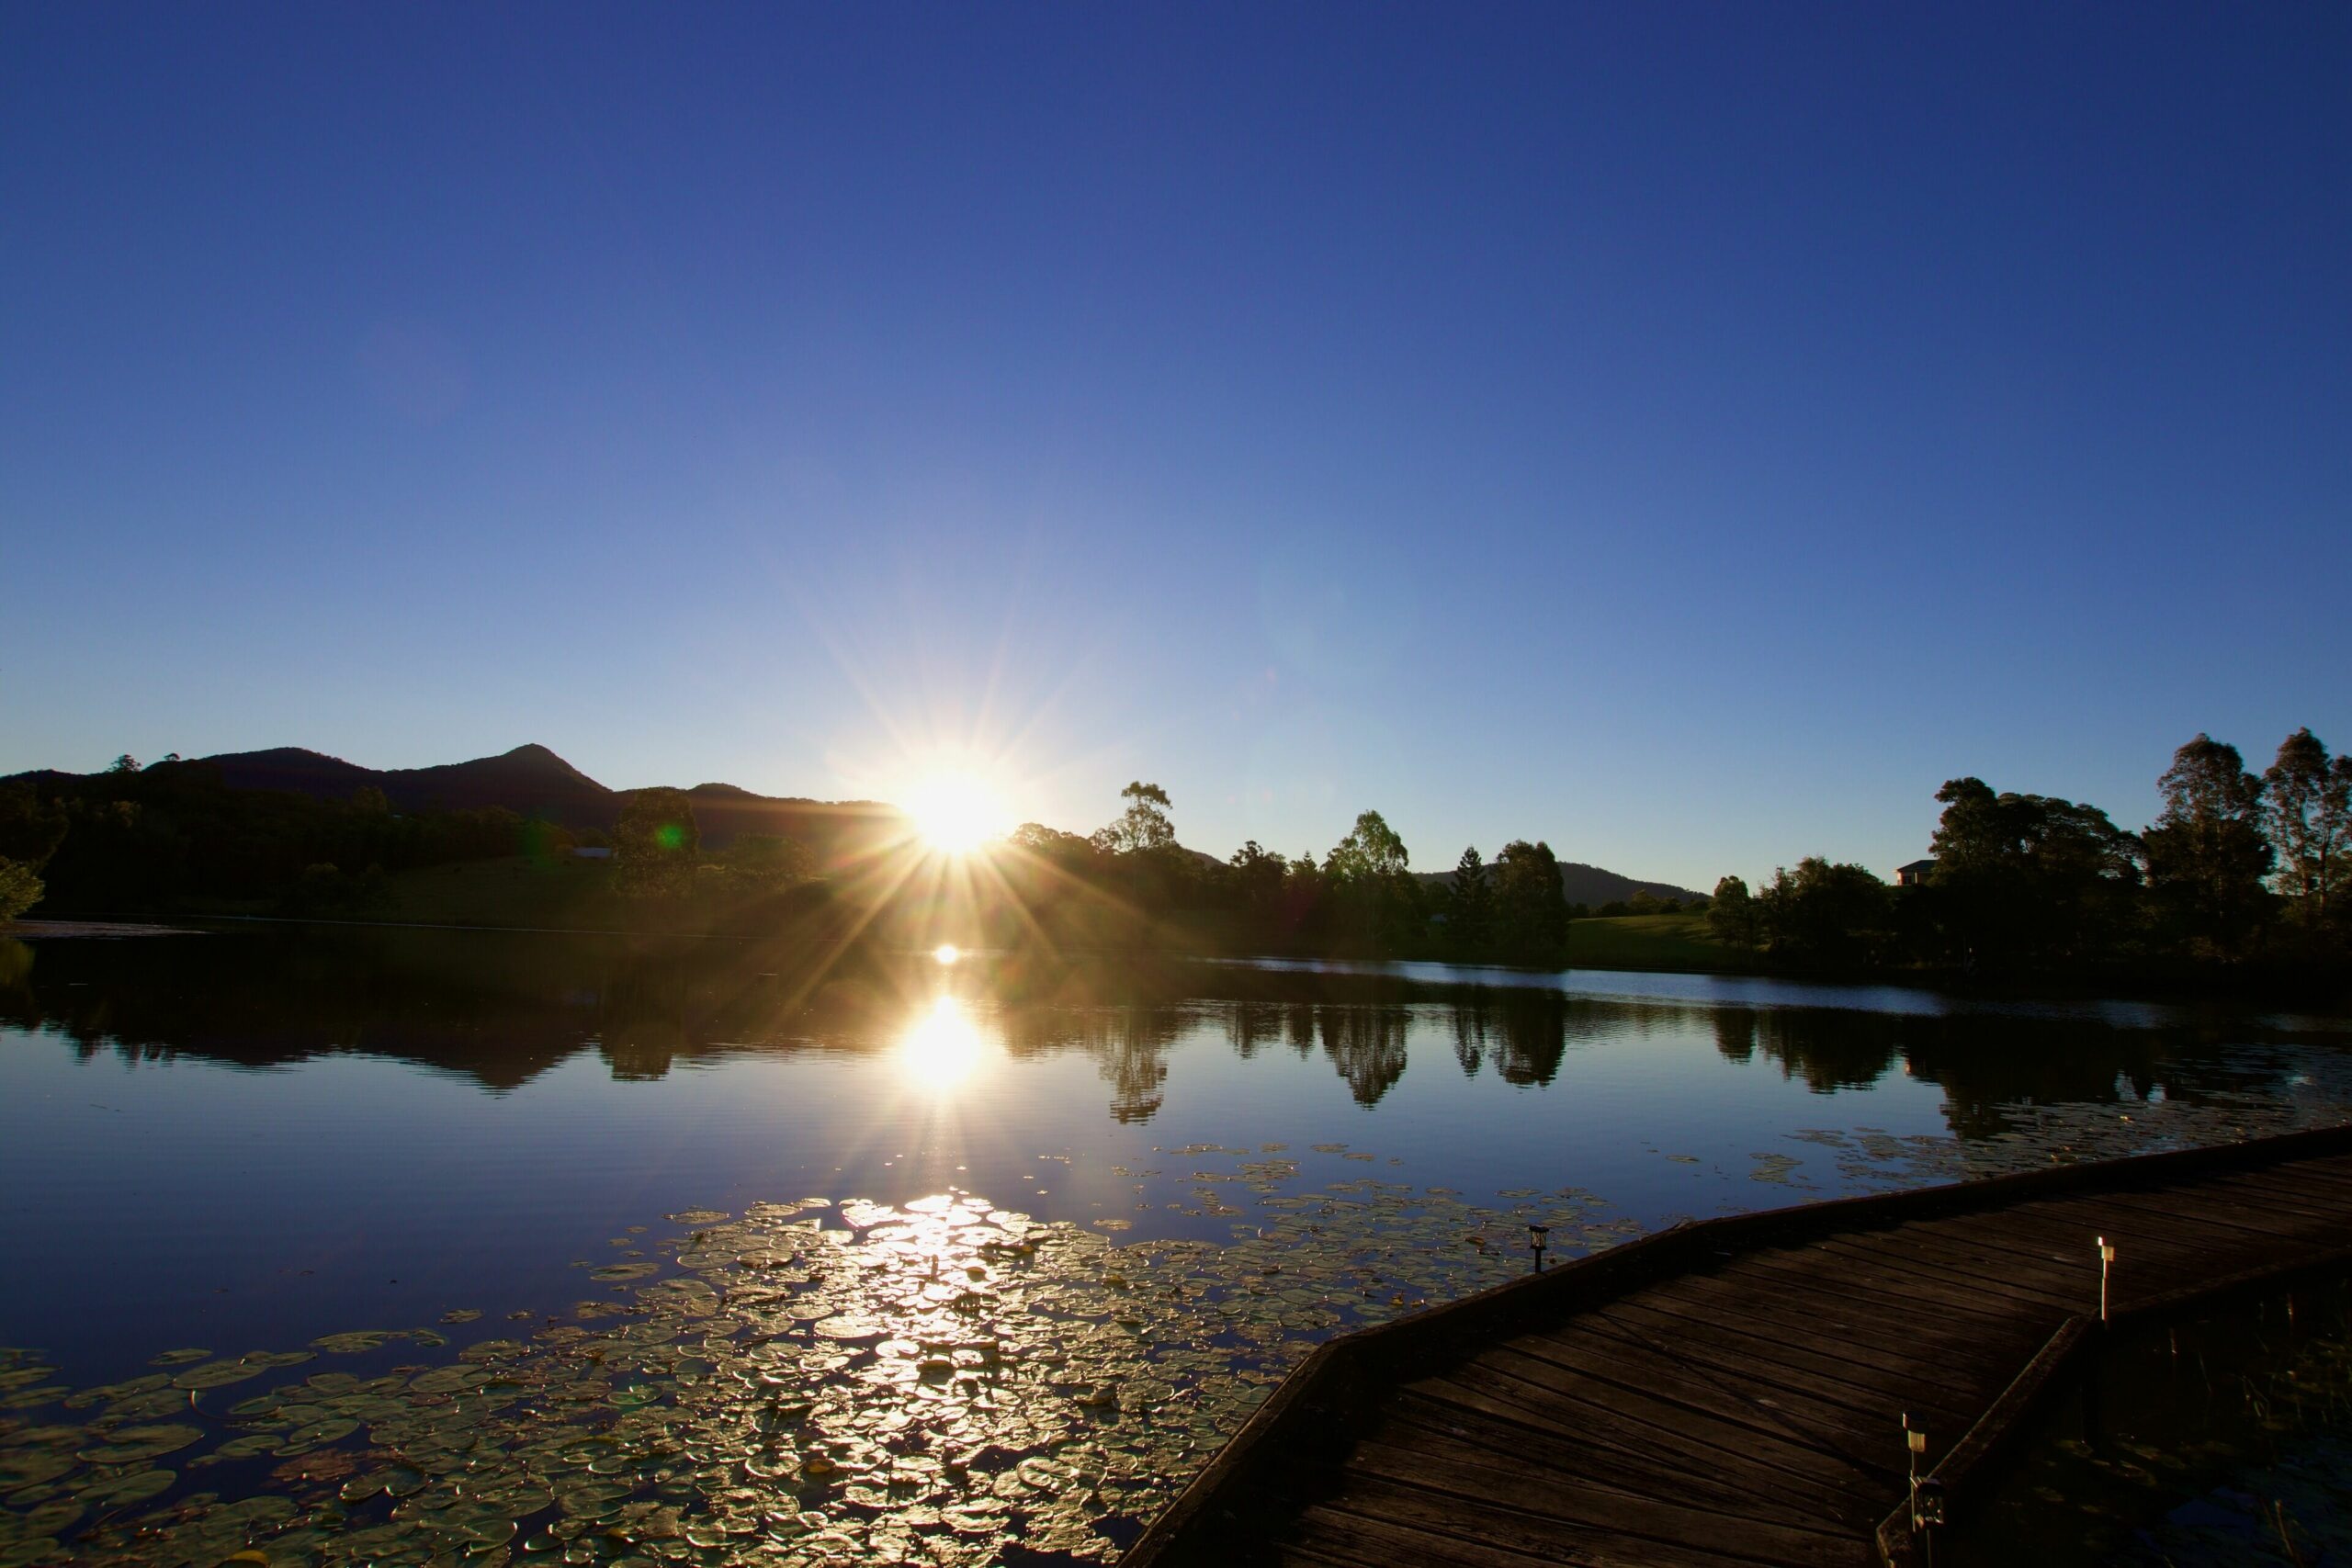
(1730, 1394)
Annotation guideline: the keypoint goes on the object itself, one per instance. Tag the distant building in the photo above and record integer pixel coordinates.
(1913, 875)
(590, 852)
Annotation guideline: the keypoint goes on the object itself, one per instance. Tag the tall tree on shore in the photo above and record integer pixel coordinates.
(2031, 878)
(656, 845)
(2207, 857)
(1531, 908)
(1143, 827)
(1834, 916)
(1368, 877)
(2307, 814)
(1371, 852)
(1731, 914)
(1467, 906)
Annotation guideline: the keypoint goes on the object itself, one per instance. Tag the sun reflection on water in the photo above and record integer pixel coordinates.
(942, 1046)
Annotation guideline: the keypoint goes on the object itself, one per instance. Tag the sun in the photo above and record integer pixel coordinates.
(955, 811)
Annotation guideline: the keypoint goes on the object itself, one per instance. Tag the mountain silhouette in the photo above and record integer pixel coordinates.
(532, 780)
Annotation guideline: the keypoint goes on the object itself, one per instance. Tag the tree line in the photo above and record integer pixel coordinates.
(175, 838)
(2239, 870)
(1358, 898)
(167, 836)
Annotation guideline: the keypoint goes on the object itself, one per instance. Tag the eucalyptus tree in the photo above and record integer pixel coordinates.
(2307, 816)
(2207, 856)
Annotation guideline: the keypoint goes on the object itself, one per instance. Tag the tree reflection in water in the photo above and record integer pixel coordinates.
(503, 1007)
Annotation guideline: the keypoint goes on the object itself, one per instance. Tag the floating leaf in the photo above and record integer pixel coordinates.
(352, 1344)
(132, 1444)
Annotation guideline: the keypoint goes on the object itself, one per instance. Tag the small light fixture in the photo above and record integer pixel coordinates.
(1927, 1496)
(1535, 1235)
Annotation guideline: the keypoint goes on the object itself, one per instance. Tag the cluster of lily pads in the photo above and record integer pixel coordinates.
(808, 1382)
(2039, 1135)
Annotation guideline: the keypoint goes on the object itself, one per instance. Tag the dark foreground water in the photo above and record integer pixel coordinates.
(363, 1245)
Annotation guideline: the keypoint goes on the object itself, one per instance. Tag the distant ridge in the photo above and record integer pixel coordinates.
(532, 780)
(1589, 885)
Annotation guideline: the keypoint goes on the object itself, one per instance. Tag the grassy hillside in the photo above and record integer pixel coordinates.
(1654, 941)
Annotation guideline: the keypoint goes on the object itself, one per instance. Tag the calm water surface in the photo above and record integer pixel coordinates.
(236, 1140)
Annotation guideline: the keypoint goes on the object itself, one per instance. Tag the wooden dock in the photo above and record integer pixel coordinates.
(1732, 1394)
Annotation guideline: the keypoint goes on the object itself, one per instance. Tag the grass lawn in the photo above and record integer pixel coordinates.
(1654, 941)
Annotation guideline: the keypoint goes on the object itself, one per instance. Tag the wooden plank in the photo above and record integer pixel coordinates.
(1664, 1421)
(1335, 1534)
(2282, 1192)
(1846, 1375)
(2256, 1228)
(1799, 1418)
(1827, 1324)
(1801, 1319)
(1677, 1442)
(1757, 1365)
(2081, 1231)
(1943, 1275)
(1954, 1268)
(2161, 1211)
(1896, 1297)
(1671, 1521)
(1416, 1424)
(1571, 1422)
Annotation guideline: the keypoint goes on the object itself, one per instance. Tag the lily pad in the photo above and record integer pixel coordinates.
(131, 1445)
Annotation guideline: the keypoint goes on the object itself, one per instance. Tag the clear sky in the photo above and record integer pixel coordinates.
(1687, 434)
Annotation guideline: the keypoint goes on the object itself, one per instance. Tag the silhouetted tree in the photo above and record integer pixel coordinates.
(1824, 914)
(1468, 904)
(656, 845)
(1143, 827)
(1368, 878)
(2207, 857)
(1255, 877)
(2307, 816)
(1732, 914)
(2030, 878)
(1531, 908)
(126, 763)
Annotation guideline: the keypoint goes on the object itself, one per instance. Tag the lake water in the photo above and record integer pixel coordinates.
(380, 1244)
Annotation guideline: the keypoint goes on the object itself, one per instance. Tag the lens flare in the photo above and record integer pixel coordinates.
(942, 1046)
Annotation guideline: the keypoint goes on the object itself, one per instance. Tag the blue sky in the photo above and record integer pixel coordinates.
(1687, 434)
